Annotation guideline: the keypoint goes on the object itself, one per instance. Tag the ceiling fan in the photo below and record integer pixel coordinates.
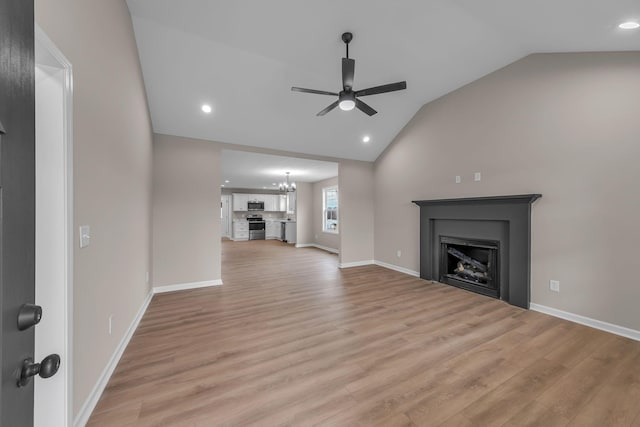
(348, 98)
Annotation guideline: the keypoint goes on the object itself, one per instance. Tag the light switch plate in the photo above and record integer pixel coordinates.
(458, 179)
(554, 285)
(477, 176)
(85, 236)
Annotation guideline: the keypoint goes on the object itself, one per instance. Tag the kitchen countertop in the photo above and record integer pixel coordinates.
(265, 219)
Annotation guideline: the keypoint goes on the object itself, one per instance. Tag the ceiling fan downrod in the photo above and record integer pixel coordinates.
(346, 38)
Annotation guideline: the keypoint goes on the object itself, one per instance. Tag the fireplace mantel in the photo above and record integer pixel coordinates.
(506, 219)
(518, 198)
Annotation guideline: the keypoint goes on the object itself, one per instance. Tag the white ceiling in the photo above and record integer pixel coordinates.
(242, 57)
(253, 170)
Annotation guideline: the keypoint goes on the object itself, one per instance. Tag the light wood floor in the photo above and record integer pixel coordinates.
(290, 339)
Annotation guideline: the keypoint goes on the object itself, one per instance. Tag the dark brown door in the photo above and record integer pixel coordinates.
(17, 204)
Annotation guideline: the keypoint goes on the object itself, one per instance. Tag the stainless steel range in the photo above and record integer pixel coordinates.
(256, 227)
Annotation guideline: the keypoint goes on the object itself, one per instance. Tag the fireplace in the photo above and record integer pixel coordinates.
(461, 238)
(470, 264)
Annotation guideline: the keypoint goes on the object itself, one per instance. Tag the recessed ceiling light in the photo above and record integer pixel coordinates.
(226, 181)
(264, 188)
(367, 138)
(629, 25)
(273, 183)
(206, 108)
(221, 185)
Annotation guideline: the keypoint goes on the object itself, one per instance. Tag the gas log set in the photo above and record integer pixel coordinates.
(471, 264)
(468, 268)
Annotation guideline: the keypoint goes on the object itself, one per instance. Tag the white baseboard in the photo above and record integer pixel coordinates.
(327, 248)
(185, 286)
(91, 402)
(587, 321)
(314, 245)
(398, 268)
(356, 264)
(381, 264)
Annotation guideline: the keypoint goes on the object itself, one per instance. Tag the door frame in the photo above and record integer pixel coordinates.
(65, 208)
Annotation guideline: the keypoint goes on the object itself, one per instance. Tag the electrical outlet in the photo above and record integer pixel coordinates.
(398, 253)
(554, 285)
(458, 179)
(477, 176)
(110, 324)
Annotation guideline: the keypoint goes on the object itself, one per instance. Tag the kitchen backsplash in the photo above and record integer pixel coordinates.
(265, 215)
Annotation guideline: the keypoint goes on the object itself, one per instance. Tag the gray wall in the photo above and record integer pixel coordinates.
(355, 182)
(186, 211)
(304, 213)
(112, 176)
(330, 240)
(564, 125)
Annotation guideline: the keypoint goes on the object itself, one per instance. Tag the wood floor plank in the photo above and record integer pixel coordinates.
(291, 339)
(537, 415)
(452, 397)
(569, 396)
(458, 420)
(500, 404)
(609, 407)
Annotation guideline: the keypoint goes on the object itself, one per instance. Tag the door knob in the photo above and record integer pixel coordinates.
(28, 316)
(46, 369)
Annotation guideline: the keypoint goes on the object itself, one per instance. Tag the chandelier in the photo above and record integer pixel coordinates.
(287, 187)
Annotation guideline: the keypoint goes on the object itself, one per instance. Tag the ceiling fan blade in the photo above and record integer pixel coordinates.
(329, 108)
(391, 87)
(318, 92)
(348, 67)
(365, 108)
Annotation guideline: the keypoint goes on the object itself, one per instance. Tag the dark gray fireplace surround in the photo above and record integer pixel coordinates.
(502, 219)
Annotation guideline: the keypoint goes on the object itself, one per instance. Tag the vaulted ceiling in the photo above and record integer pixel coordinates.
(242, 57)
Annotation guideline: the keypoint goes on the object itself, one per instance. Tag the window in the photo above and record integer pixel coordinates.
(330, 210)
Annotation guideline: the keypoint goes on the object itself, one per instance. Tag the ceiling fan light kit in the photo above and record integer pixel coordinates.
(347, 97)
(348, 102)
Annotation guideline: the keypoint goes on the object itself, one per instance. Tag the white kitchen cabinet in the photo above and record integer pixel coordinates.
(279, 203)
(266, 199)
(291, 202)
(271, 202)
(272, 229)
(240, 202)
(240, 230)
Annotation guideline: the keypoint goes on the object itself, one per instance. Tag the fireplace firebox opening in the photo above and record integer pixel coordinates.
(470, 264)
